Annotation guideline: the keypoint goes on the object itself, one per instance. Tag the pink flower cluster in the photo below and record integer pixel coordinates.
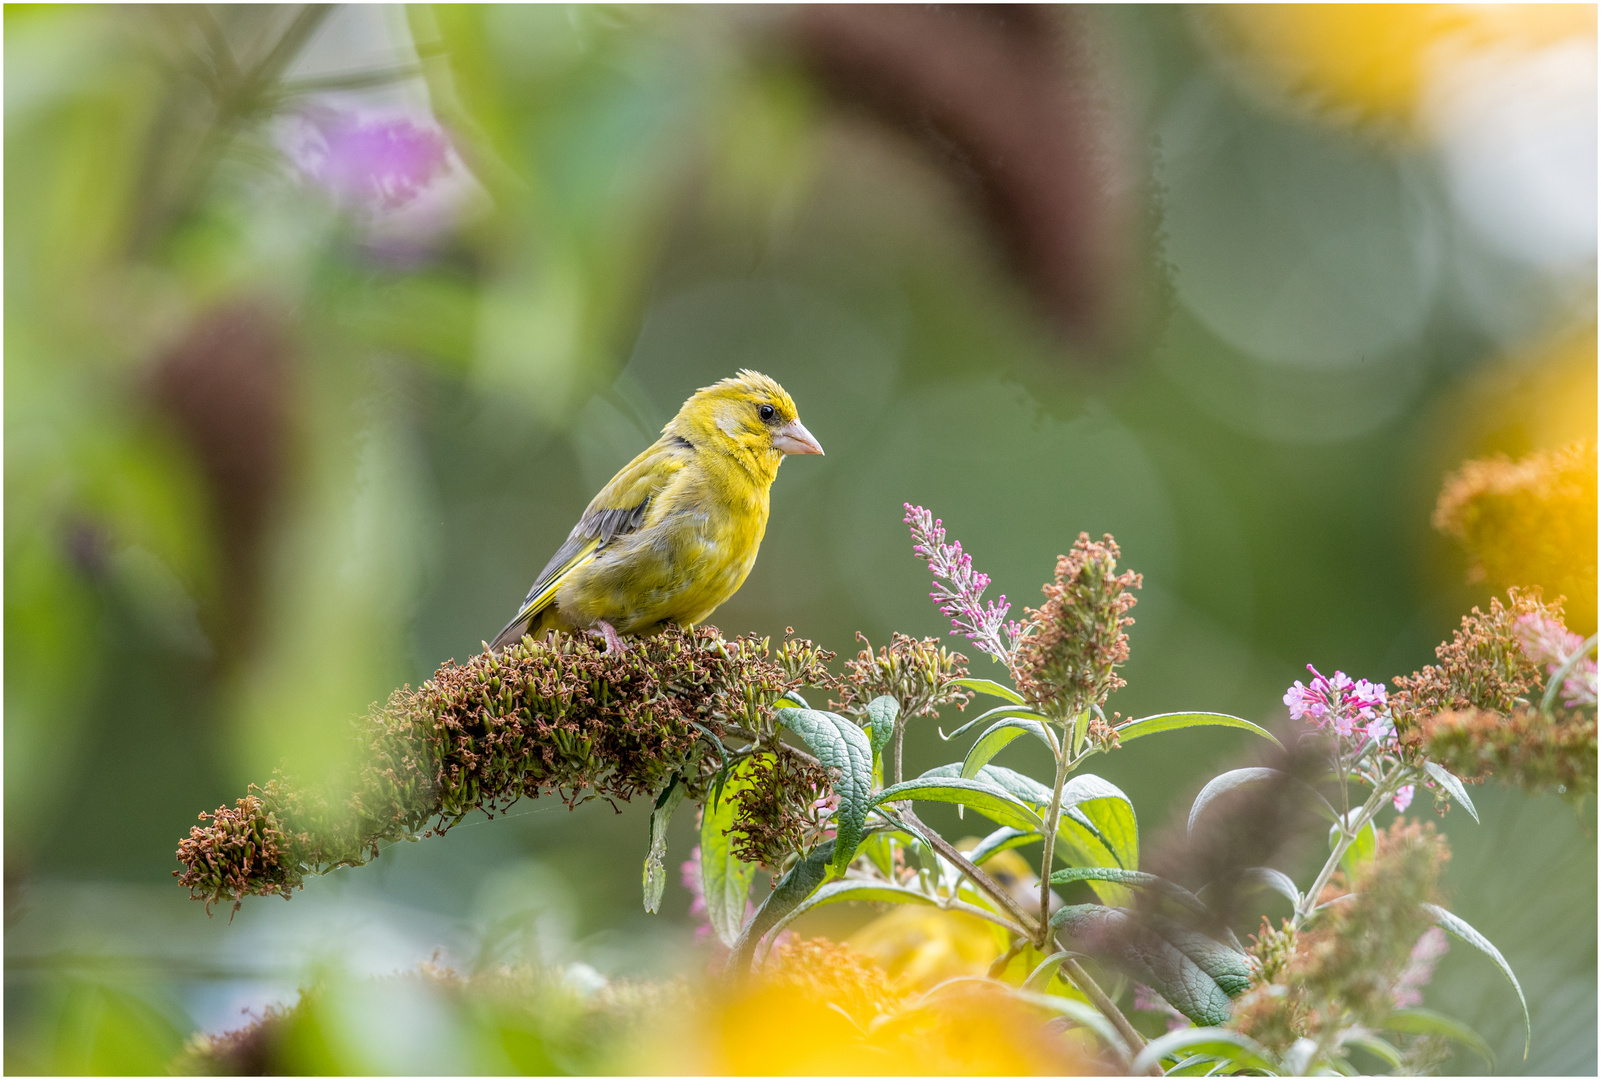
(959, 589)
(1344, 704)
(1548, 642)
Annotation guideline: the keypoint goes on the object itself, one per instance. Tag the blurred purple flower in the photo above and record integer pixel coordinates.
(959, 589)
(1403, 797)
(377, 163)
(1408, 990)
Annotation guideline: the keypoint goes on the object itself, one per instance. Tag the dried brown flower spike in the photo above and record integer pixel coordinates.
(1069, 662)
(556, 715)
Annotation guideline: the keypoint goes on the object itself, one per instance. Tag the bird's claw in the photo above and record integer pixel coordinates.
(614, 644)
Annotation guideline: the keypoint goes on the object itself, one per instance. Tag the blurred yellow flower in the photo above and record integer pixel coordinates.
(1376, 62)
(1530, 523)
(823, 1009)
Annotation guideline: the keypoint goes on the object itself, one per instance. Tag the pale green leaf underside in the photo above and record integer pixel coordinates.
(1155, 725)
(1460, 928)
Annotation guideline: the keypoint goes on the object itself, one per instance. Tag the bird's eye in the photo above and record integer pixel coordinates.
(766, 412)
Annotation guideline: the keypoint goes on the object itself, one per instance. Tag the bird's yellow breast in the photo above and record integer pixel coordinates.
(692, 552)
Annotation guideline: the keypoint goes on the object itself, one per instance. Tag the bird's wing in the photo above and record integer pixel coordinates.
(618, 510)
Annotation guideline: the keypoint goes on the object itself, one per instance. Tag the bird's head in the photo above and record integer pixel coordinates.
(748, 416)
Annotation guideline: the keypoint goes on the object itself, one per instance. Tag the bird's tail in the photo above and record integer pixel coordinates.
(513, 632)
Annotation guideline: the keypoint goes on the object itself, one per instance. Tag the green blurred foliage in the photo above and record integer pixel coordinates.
(646, 199)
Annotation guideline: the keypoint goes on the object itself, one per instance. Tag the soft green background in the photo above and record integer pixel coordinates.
(664, 202)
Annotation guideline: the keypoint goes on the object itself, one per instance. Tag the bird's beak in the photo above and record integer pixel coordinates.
(793, 438)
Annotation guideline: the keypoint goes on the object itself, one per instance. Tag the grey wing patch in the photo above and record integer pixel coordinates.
(609, 524)
(603, 525)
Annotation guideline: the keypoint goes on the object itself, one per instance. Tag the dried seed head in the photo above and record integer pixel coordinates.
(1070, 661)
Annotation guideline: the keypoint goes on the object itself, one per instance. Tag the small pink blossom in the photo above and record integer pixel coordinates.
(1403, 797)
(1339, 702)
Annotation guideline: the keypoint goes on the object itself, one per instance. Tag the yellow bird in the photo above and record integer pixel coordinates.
(675, 533)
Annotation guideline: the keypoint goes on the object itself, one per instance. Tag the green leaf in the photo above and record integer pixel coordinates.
(841, 746)
(1110, 813)
(1078, 1011)
(1002, 839)
(1460, 927)
(1131, 946)
(1373, 1045)
(1265, 877)
(1242, 1051)
(997, 736)
(1360, 855)
(1153, 725)
(1086, 1016)
(993, 689)
(1453, 786)
(791, 700)
(1238, 778)
(997, 713)
(992, 801)
(881, 714)
(1135, 878)
(1010, 781)
(655, 876)
(725, 877)
(852, 889)
(800, 882)
(1039, 980)
(1428, 1022)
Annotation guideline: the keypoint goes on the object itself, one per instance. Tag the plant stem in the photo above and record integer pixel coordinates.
(1098, 998)
(900, 730)
(1053, 815)
(1349, 831)
(988, 885)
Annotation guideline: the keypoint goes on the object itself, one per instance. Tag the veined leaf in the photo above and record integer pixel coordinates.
(800, 882)
(1154, 725)
(1238, 778)
(1022, 712)
(1427, 1022)
(881, 714)
(1460, 927)
(1453, 786)
(851, 889)
(1010, 781)
(655, 875)
(997, 736)
(725, 877)
(842, 746)
(1002, 839)
(992, 801)
(1133, 947)
(993, 689)
(1229, 1045)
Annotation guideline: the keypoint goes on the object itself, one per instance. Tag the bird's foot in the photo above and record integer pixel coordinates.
(614, 644)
